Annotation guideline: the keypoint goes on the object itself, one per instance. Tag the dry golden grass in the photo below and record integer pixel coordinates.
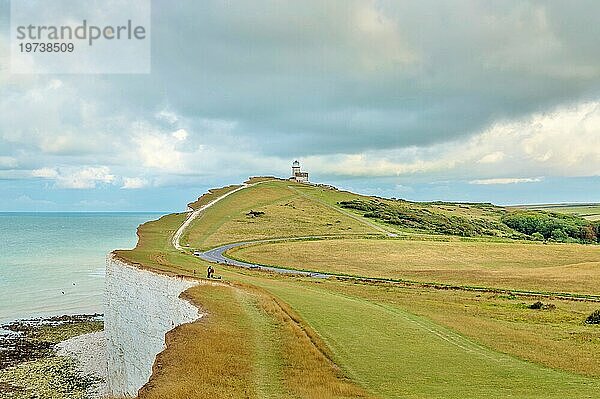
(511, 265)
(286, 214)
(210, 358)
(229, 353)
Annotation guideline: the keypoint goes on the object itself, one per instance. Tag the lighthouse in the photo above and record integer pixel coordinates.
(297, 174)
(295, 168)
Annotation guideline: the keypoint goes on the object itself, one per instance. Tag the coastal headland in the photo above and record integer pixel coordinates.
(319, 292)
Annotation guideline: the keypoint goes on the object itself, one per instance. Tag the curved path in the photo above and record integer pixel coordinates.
(217, 255)
(194, 214)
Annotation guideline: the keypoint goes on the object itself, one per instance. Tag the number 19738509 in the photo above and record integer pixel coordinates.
(46, 47)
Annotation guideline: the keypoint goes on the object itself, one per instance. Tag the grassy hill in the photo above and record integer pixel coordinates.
(284, 336)
(586, 211)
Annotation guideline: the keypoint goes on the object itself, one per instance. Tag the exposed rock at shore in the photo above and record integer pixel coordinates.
(89, 352)
(29, 366)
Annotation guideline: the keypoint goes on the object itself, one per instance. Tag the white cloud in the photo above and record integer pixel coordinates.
(167, 115)
(134, 183)
(55, 84)
(380, 163)
(391, 100)
(157, 150)
(46, 173)
(86, 177)
(564, 142)
(506, 180)
(493, 157)
(8, 162)
(76, 178)
(180, 134)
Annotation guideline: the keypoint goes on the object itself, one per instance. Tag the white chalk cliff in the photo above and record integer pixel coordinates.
(140, 308)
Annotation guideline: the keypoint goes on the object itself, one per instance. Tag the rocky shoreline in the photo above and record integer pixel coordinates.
(38, 357)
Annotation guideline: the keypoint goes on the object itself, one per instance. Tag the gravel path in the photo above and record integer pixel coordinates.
(194, 214)
(89, 350)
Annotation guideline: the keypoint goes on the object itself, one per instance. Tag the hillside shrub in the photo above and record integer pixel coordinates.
(559, 235)
(541, 305)
(537, 236)
(427, 219)
(593, 318)
(558, 227)
(536, 305)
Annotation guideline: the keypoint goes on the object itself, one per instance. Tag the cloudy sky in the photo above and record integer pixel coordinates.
(425, 100)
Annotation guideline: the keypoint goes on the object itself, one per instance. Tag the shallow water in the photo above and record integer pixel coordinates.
(53, 263)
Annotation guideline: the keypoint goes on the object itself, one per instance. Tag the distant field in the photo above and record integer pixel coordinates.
(511, 265)
(587, 211)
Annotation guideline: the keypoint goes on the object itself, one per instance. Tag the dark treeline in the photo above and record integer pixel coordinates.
(553, 226)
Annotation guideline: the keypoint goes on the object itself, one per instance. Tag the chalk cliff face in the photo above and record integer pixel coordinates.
(140, 308)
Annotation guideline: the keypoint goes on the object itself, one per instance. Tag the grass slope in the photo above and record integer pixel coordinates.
(286, 214)
(248, 346)
(395, 353)
(509, 265)
(211, 195)
(418, 217)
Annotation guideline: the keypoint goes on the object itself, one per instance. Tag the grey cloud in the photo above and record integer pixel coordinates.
(313, 77)
(305, 78)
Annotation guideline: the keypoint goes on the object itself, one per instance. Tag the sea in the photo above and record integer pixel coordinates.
(53, 263)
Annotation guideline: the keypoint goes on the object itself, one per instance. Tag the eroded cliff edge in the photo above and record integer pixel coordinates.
(140, 308)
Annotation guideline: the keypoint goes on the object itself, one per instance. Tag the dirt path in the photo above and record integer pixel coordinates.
(194, 214)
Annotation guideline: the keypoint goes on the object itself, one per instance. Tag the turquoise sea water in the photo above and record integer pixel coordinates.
(53, 263)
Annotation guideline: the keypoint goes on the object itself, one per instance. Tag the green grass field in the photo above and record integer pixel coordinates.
(586, 211)
(384, 339)
(396, 352)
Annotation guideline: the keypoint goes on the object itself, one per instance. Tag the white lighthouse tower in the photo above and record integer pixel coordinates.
(295, 168)
(297, 174)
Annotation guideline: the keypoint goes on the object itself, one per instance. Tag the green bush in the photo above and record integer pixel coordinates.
(559, 235)
(593, 318)
(536, 305)
(555, 226)
(541, 305)
(537, 236)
